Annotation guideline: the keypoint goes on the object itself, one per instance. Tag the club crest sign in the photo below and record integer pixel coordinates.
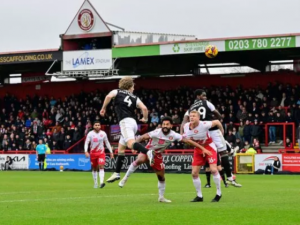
(86, 20)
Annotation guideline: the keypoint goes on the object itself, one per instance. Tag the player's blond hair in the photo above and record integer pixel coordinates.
(195, 112)
(126, 83)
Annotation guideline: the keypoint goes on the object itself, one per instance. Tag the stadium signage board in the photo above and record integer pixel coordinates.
(87, 60)
(189, 47)
(291, 162)
(20, 161)
(68, 161)
(260, 43)
(262, 160)
(35, 79)
(174, 163)
(30, 57)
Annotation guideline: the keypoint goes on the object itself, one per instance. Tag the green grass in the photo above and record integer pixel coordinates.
(69, 198)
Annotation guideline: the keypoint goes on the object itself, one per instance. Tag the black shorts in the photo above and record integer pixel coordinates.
(218, 162)
(41, 157)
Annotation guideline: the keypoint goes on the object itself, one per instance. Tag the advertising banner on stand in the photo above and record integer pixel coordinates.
(262, 160)
(291, 162)
(174, 163)
(20, 161)
(68, 161)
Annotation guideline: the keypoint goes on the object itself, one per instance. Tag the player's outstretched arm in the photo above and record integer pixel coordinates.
(217, 114)
(184, 121)
(107, 100)
(144, 109)
(192, 143)
(143, 138)
(218, 124)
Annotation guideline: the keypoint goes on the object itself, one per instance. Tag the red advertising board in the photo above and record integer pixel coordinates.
(291, 162)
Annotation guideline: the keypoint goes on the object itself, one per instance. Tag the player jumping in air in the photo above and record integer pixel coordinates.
(95, 140)
(207, 112)
(199, 132)
(160, 139)
(125, 104)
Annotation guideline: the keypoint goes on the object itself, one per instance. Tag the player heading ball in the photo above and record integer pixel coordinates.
(125, 104)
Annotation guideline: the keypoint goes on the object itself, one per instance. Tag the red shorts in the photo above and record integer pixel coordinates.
(199, 160)
(158, 162)
(97, 159)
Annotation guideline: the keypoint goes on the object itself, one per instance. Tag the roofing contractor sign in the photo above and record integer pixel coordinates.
(87, 60)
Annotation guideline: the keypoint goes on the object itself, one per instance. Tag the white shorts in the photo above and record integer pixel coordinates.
(128, 128)
(218, 139)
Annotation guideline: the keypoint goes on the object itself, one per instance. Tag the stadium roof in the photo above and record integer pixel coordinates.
(195, 40)
(140, 53)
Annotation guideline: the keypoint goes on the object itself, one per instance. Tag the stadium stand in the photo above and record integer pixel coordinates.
(64, 121)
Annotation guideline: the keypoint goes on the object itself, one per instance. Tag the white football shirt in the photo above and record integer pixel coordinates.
(159, 141)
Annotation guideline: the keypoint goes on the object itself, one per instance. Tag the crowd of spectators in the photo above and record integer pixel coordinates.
(64, 121)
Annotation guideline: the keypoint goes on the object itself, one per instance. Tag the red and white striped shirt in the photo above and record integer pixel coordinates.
(96, 142)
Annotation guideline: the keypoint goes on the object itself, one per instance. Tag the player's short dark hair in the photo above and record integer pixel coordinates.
(199, 92)
(167, 118)
(97, 121)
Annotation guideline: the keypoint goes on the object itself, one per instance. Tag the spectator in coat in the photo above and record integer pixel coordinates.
(54, 146)
(256, 131)
(231, 137)
(28, 123)
(67, 143)
(154, 118)
(279, 119)
(272, 129)
(176, 119)
(247, 132)
(241, 130)
(256, 145)
(273, 168)
(75, 139)
(289, 145)
(27, 145)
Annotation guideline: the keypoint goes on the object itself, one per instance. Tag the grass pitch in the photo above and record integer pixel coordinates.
(69, 198)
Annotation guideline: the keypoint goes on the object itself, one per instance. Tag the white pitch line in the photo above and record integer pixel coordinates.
(31, 192)
(87, 197)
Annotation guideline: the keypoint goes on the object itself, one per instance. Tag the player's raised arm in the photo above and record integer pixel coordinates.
(214, 110)
(143, 138)
(107, 100)
(218, 124)
(217, 114)
(86, 146)
(184, 121)
(144, 109)
(190, 142)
